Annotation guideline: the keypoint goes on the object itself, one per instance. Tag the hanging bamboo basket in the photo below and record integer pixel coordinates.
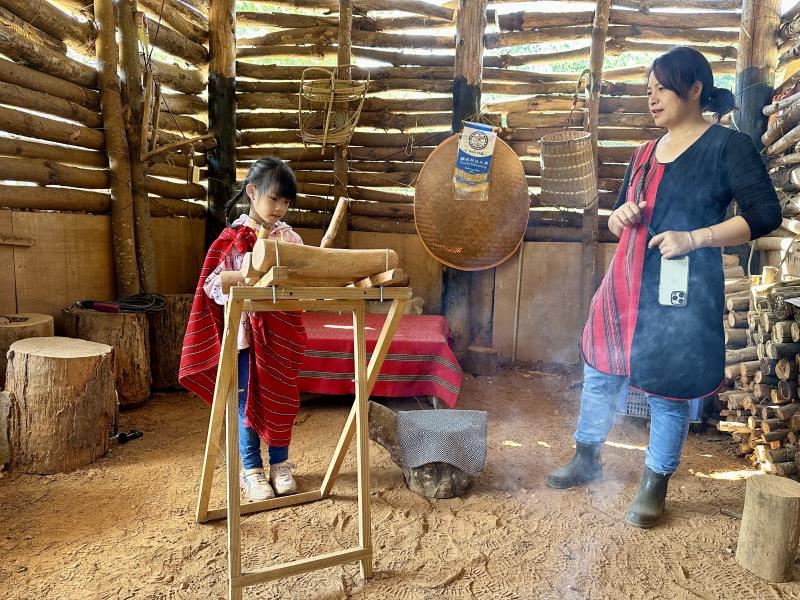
(329, 107)
(569, 178)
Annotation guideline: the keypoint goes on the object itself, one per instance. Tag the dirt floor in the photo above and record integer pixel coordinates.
(124, 527)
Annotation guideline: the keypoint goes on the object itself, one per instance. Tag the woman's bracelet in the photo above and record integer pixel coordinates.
(691, 241)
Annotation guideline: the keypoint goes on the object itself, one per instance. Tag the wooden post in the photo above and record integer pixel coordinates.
(133, 92)
(589, 250)
(122, 224)
(344, 57)
(221, 111)
(770, 527)
(755, 75)
(470, 321)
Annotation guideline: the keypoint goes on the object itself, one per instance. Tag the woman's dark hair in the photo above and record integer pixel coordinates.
(678, 69)
(268, 175)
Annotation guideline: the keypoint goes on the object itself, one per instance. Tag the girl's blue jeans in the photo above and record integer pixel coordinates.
(669, 419)
(249, 442)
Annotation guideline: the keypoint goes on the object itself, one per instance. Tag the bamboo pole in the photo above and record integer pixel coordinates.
(221, 111)
(590, 219)
(122, 219)
(133, 92)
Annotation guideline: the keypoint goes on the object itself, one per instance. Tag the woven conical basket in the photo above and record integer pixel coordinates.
(569, 178)
(471, 234)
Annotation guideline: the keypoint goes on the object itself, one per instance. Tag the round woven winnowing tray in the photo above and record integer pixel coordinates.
(471, 234)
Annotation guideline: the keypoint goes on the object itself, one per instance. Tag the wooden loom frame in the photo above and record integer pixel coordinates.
(226, 399)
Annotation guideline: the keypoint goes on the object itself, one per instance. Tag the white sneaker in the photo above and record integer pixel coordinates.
(281, 477)
(255, 484)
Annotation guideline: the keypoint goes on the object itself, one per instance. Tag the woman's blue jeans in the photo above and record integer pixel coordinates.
(669, 419)
(249, 442)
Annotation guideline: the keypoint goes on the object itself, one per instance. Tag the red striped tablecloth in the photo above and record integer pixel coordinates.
(420, 361)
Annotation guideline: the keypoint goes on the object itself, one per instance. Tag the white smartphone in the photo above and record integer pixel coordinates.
(673, 285)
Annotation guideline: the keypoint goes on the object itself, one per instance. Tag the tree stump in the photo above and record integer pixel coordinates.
(128, 334)
(770, 527)
(18, 327)
(480, 360)
(167, 328)
(62, 403)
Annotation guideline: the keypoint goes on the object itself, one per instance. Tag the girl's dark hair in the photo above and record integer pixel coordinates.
(268, 175)
(678, 69)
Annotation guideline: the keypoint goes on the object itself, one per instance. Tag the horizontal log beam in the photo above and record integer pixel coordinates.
(174, 43)
(37, 150)
(184, 104)
(21, 97)
(63, 26)
(180, 79)
(34, 34)
(17, 74)
(50, 172)
(60, 199)
(172, 13)
(42, 58)
(172, 189)
(35, 126)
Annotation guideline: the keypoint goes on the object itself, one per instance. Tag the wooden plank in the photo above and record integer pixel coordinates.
(254, 507)
(8, 300)
(181, 249)
(549, 309)
(72, 253)
(302, 566)
(320, 293)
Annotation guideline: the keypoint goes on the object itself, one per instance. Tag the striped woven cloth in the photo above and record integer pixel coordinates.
(420, 361)
(277, 341)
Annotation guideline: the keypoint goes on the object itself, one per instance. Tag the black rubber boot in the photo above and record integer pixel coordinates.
(584, 467)
(648, 504)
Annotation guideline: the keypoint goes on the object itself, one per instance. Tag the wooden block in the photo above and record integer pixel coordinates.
(393, 277)
(480, 360)
(770, 528)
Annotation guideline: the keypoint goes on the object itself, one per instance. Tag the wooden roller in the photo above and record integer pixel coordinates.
(310, 261)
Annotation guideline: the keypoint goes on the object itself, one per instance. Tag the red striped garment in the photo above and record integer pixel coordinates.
(276, 351)
(608, 333)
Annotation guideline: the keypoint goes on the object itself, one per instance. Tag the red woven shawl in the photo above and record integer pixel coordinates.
(277, 342)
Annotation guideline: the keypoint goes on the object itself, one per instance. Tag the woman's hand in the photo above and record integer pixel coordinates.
(627, 215)
(673, 243)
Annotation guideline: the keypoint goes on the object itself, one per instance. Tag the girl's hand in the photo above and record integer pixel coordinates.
(672, 243)
(627, 215)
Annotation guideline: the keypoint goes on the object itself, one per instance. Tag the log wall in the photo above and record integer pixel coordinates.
(526, 89)
(52, 142)
(782, 145)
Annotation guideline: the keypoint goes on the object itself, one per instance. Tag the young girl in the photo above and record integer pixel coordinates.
(270, 344)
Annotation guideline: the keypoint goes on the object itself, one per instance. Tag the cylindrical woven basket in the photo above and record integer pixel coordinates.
(569, 178)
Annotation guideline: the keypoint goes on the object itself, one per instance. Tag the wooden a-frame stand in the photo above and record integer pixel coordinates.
(226, 399)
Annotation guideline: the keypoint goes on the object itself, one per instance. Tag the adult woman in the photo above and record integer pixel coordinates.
(668, 344)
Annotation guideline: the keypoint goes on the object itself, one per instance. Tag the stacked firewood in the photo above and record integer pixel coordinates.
(760, 410)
